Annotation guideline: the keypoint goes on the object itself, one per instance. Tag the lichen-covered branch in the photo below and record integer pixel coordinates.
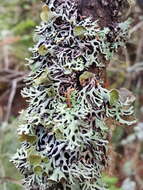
(63, 131)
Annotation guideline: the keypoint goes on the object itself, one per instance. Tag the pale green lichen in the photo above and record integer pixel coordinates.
(64, 133)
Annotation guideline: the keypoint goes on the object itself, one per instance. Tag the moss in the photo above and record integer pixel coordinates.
(24, 26)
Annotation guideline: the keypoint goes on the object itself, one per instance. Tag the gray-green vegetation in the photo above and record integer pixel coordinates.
(63, 131)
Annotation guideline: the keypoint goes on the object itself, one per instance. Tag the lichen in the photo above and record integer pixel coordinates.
(64, 132)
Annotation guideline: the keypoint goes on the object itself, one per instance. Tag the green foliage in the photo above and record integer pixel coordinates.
(111, 182)
(24, 26)
(16, 20)
(8, 146)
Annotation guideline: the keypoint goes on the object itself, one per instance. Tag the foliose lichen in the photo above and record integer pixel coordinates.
(63, 133)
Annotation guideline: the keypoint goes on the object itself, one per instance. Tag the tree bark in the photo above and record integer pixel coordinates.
(108, 12)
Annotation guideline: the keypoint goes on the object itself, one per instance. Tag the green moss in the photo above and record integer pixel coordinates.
(24, 26)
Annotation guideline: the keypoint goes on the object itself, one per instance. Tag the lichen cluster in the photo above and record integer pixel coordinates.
(63, 131)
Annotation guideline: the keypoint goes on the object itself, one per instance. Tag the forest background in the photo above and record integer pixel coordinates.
(18, 19)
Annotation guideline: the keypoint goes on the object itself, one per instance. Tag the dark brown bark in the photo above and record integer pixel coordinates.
(108, 12)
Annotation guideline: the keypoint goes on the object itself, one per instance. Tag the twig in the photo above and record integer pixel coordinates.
(127, 57)
(12, 76)
(136, 27)
(4, 94)
(6, 57)
(136, 67)
(10, 179)
(139, 50)
(10, 71)
(11, 97)
(9, 40)
(116, 70)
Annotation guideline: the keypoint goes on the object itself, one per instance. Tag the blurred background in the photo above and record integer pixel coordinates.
(18, 19)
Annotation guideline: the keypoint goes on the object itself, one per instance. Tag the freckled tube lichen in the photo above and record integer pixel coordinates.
(63, 132)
